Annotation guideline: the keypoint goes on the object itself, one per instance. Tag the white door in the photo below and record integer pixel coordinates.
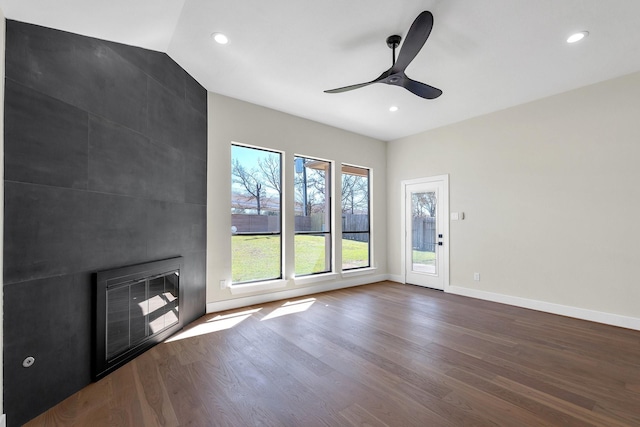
(425, 232)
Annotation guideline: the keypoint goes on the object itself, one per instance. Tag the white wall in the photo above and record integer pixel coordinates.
(231, 120)
(551, 194)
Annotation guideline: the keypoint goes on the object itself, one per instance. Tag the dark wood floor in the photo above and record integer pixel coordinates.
(377, 355)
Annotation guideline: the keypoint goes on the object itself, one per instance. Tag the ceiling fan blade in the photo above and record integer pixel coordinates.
(346, 88)
(421, 89)
(358, 86)
(413, 42)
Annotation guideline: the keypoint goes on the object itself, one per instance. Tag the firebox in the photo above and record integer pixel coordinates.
(137, 307)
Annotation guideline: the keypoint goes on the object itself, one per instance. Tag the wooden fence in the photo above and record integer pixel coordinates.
(250, 223)
(255, 223)
(424, 234)
(355, 222)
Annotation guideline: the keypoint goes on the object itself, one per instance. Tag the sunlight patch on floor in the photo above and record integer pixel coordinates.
(290, 307)
(215, 324)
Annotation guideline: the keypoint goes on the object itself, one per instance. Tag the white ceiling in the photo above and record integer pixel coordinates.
(485, 55)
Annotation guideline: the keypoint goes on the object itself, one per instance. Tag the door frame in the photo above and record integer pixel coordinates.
(445, 223)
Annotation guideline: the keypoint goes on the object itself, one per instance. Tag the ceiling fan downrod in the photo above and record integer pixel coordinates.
(393, 42)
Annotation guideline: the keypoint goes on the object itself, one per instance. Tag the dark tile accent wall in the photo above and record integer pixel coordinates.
(105, 166)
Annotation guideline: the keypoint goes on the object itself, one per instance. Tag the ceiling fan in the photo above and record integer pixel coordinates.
(416, 38)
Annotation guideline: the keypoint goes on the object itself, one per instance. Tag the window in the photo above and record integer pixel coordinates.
(256, 222)
(312, 216)
(355, 218)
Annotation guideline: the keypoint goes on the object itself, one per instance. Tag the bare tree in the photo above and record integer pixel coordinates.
(355, 193)
(310, 187)
(270, 172)
(250, 181)
(424, 204)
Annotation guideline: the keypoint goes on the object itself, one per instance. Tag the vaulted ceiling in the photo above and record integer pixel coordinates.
(485, 55)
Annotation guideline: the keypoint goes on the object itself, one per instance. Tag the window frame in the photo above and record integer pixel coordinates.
(328, 234)
(279, 233)
(368, 231)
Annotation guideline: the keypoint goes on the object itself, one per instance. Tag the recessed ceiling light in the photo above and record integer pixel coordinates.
(393, 108)
(220, 38)
(573, 38)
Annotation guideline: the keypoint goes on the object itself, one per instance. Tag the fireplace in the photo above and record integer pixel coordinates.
(136, 307)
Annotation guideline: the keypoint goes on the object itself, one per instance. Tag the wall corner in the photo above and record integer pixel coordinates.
(2, 52)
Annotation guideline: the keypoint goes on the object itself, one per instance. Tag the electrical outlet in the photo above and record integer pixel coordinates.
(223, 284)
(476, 277)
(28, 361)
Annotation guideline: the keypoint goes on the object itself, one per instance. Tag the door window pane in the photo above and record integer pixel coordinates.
(423, 232)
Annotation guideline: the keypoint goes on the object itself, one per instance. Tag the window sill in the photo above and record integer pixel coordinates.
(358, 271)
(305, 280)
(257, 286)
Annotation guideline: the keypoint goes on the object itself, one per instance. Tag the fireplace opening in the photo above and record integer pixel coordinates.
(136, 307)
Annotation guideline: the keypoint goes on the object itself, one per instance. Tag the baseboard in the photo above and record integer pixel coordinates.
(230, 304)
(548, 307)
(396, 278)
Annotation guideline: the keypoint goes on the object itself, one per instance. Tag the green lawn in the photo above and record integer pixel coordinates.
(258, 257)
(311, 255)
(255, 258)
(354, 254)
(423, 257)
